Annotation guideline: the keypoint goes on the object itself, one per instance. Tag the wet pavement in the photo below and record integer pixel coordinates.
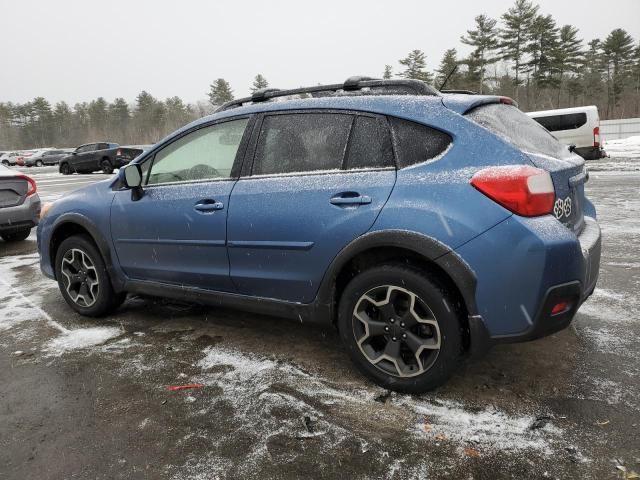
(88, 398)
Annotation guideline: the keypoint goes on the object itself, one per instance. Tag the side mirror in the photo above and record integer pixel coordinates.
(131, 175)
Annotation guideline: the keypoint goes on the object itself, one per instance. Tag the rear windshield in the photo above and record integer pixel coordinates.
(523, 132)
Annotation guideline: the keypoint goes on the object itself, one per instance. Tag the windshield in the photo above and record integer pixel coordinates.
(512, 125)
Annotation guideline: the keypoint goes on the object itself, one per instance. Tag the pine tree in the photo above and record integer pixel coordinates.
(542, 44)
(515, 35)
(567, 57)
(593, 71)
(388, 72)
(259, 82)
(220, 92)
(149, 118)
(617, 50)
(40, 123)
(416, 67)
(178, 114)
(119, 117)
(98, 117)
(484, 41)
(449, 64)
(636, 80)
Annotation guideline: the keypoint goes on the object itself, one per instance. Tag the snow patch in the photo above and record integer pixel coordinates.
(488, 428)
(79, 339)
(624, 148)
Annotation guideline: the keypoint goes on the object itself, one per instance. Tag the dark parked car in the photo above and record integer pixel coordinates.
(97, 156)
(424, 226)
(19, 205)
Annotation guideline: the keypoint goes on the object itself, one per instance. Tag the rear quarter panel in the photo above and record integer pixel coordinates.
(436, 198)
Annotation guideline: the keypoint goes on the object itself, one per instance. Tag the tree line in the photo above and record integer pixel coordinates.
(523, 54)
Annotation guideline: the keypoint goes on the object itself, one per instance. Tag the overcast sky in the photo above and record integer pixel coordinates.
(77, 50)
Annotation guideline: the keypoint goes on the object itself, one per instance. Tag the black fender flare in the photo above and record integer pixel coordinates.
(102, 244)
(431, 249)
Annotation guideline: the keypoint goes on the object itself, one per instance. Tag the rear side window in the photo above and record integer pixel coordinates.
(301, 142)
(568, 121)
(416, 143)
(523, 132)
(370, 145)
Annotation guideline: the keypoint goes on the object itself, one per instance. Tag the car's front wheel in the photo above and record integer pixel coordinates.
(39, 163)
(65, 169)
(16, 236)
(83, 278)
(5, 163)
(401, 328)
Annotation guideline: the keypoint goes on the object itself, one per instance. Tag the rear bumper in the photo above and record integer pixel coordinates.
(526, 275)
(591, 153)
(20, 217)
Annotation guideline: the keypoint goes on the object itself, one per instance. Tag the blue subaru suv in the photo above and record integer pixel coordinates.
(425, 226)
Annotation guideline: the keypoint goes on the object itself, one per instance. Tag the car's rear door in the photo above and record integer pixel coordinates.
(176, 233)
(318, 181)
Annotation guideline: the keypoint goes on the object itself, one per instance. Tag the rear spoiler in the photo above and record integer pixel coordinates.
(463, 103)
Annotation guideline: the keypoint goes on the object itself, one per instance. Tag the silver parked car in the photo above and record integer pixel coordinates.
(46, 157)
(19, 205)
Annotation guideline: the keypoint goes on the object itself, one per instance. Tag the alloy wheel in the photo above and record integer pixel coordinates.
(80, 277)
(396, 331)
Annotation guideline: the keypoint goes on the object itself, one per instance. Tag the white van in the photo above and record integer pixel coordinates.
(578, 126)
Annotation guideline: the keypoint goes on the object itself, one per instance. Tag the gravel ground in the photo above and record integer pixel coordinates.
(86, 398)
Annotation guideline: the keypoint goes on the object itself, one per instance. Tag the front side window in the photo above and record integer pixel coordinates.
(301, 142)
(83, 148)
(207, 153)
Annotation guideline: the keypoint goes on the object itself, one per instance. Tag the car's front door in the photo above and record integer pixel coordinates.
(82, 157)
(318, 181)
(176, 233)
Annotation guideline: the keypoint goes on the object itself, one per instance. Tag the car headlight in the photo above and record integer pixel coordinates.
(45, 209)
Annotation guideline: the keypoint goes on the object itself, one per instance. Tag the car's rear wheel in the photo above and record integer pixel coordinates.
(65, 169)
(401, 328)
(39, 163)
(106, 166)
(83, 278)
(16, 236)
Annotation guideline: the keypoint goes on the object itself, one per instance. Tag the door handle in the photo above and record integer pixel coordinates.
(208, 205)
(350, 198)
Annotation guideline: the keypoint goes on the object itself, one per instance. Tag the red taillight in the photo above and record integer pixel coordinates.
(33, 188)
(596, 137)
(524, 190)
(560, 307)
(507, 101)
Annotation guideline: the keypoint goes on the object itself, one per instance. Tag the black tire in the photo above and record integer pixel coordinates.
(106, 166)
(65, 169)
(434, 366)
(5, 163)
(102, 298)
(16, 236)
(39, 163)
